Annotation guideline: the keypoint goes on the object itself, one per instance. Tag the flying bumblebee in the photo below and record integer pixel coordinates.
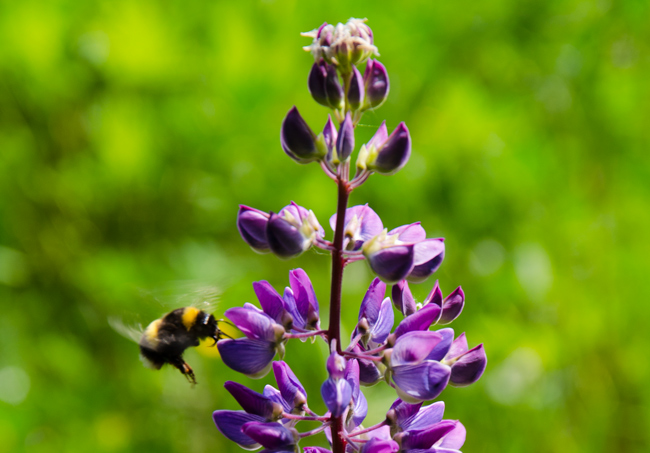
(166, 339)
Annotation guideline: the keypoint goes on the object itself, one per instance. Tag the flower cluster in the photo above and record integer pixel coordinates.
(416, 356)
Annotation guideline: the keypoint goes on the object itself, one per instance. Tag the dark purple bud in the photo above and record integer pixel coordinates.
(403, 299)
(298, 140)
(421, 382)
(356, 91)
(324, 85)
(434, 296)
(251, 224)
(375, 79)
(393, 154)
(290, 387)
(285, 239)
(336, 395)
(272, 303)
(270, 435)
(230, 424)
(380, 446)
(427, 259)
(247, 356)
(253, 402)
(329, 136)
(452, 306)
(423, 439)
(469, 367)
(345, 139)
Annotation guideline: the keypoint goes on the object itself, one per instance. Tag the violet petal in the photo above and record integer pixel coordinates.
(442, 348)
(452, 306)
(413, 347)
(403, 299)
(285, 240)
(270, 435)
(230, 423)
(421, 382)
(246, 355)
(336, 395)
(253, 402)
(253, 324)
(428, 256)
(469, 368)
(251, 224)
(420, 320)
(290, 387)
(425, 438)
(393, 263)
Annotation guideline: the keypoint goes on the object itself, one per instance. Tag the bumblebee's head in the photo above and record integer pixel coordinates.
(206, 326)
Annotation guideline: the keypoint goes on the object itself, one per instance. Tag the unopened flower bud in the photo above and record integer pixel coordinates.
(251, 224)
(329, 136)
(356, 90)
(324, 85)
(298, 140)
(376, 84)
(387, 155)
(345, 139)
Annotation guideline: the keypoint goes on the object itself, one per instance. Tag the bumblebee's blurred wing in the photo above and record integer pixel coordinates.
(132, 332)
(185, 293)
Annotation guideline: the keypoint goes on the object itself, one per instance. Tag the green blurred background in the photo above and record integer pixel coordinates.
(131, 130)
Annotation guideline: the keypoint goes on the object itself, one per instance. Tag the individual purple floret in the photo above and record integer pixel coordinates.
(336, 391)
(273, 304)
(358, 404)
(375, 315)
(324, 85)
(375, 79)
(386, 154)
(432, 438)
(427, 259)
(361, 225)
(292, 391)
(452, 306)
(298, 140)
(252, 355)
(300, 300)
(380, 446)
(416, 378)
(251, 224)
(292, 231)
(330, 135)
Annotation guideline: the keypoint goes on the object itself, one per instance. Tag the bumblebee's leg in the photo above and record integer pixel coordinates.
(185, 369)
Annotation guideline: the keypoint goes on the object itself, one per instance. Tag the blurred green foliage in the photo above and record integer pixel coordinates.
(130, 132)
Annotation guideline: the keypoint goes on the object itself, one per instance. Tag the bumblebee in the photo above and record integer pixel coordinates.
(164, 340)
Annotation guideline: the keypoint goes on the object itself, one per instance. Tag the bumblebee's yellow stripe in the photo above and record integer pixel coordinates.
(189, 317)
(151, 332)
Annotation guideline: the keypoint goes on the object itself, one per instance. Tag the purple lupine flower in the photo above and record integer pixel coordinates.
(230, 424)
(316, 450)
(298, 140)
(292, 231)
(403, 299)
(255, 403)
(361, 225)
(452, 306)
(251, 355)
(375, 315)
(345, 140)
(422, 319)
(251, 224)
(467, 366)
(273, 304)
(386, 154)
(416, 378)
(336, 391)
(427, 259)
(273, 436)
(380, 446)
(292, 391)
(375, 79)
(356, 90)
(324, 85)
(300, 301)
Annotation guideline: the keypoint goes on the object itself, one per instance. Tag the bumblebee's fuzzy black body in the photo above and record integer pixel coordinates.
(165, 339)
